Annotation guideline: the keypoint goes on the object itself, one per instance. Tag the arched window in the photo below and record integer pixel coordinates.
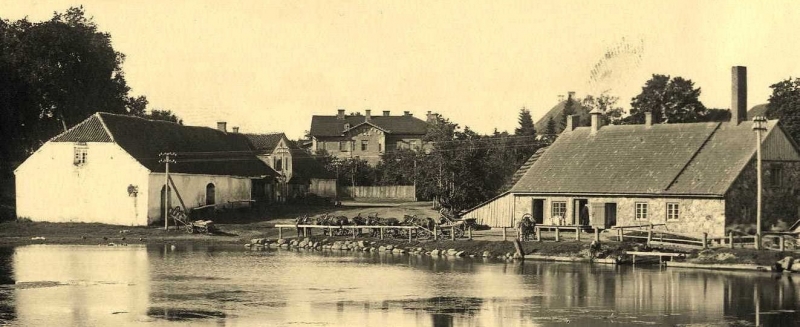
(210, 194)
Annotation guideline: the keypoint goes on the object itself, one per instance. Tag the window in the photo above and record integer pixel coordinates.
(210, 194)
(364, 145)
(775, 176)
(673, 211)
(641, 211)
(278, 164)
(380, 147)
(81, 153)
(342, 146)
(413, 145)
(559, 210)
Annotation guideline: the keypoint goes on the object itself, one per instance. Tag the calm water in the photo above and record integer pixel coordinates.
(47, 285)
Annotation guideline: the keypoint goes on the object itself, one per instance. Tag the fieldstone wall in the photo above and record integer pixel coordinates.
(780, 201)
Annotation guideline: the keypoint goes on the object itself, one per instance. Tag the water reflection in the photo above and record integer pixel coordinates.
(208, 285)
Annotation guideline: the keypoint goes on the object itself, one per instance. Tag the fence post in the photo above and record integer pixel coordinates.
(410, 232)
(781, 245)
(452, 233)
(435, 230)
(730, 240)
(305, 231)
(381, 232)
(596, 234)
(538, 234)
(354, 232)
(649, 236)
(577, 234)
(619, 235)
(504, 235)
(705, 240)
(558, 236)
(757, 242)
(280, 232)
(469, 232)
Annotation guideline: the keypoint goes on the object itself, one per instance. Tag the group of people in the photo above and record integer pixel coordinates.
(526, 227)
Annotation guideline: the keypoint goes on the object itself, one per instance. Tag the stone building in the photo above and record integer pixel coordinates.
(366, 136)
(694, 177)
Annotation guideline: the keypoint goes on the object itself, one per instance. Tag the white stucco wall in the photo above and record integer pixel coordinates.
(50, 187)
(192, 189)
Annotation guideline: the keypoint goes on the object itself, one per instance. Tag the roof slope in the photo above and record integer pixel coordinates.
(333, 126)
(696, 158)
(200, 150)
(557, 112)
(305, 167)
(524, 169)
(265, 142)
(757, 110)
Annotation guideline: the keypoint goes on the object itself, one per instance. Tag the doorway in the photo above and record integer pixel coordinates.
(538, 211)
(611, 214)
(580, 212)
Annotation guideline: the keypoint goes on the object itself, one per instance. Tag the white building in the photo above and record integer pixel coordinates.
(106, 169)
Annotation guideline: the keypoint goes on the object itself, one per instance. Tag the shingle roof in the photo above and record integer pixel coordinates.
(524, 168)
(687, 159)
(201, 150)
(265, 142)
(333, 126)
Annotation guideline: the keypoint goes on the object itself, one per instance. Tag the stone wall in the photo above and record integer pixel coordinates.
(696, 215)
(780, 201)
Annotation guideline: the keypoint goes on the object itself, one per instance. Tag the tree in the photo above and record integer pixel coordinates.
(670, 100)
(54, 74)
(607, 104)
(525, 123)
(569, 110)
(784, 104)
(165, 115)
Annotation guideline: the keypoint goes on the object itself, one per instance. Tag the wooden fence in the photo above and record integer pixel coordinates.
(389, 192)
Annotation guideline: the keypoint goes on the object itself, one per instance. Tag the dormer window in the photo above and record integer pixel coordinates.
(81, 154)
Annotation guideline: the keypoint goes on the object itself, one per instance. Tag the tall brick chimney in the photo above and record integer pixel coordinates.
(571, 95)
(340, 114)
(367, 114)
(596, 121)
(235, 129)
(386, 113)
(572, 123)
(648, 119)
(222, 126)
(738, 94)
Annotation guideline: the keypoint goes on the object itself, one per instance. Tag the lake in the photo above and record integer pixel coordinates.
(54, 285)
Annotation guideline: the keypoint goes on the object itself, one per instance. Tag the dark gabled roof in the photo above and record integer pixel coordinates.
(265, 142)
(333, 126)
(757, 110)
(201, 150)
(557, 113)
(686, 159)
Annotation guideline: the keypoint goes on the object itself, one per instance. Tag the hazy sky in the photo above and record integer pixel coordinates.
(269, 65)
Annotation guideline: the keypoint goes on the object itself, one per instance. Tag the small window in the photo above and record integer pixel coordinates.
(278, 164)
(342, 146)
(559, 210)
(775, 176)
(380, 147)
(364, 145)
(673, 211)
(210, 194)
(641, 211)
(81, 153)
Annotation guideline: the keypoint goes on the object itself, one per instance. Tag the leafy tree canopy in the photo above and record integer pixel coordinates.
(670, 100)
(784, 104)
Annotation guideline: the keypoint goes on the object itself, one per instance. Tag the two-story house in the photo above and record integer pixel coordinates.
(366, 136)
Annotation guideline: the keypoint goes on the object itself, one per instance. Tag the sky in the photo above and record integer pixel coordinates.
(268, 66)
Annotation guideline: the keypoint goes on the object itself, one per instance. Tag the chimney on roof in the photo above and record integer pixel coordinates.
(596, 121)
(406, 113)
(386, 113)
(571, 95)
(739, 94)
(340, 114)
(222, 126)
(235, 129)
(560, 98)
(572, 123)
(648, 119)
(367, 114)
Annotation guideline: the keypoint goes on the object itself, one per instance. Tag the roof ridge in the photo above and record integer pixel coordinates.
(103, 123)
(694, 155)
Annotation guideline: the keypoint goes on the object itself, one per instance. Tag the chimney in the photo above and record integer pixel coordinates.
(406, 113)
(386, 113)
(560, 98)
(648, 119)
(572, 123)
(571, 95)
(367, 114)
(235, 129)
(222, 126)
(340, 114)
(596, 121)
(739, 94)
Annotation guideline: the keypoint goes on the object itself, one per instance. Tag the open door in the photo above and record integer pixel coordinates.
(580, 212)
(538, 211)
(611, 214)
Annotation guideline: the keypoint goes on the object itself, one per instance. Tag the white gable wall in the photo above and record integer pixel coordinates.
(192, 189)
(50, 187)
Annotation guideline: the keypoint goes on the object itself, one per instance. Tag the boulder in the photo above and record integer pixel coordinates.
(487, 254)
(255, 241)
(361, 244)
(435, 253)
(281, 241)
(460, 253)
(273, 245)
(452, 252)
(398, 250)
(389, 247)
(247, 245)
(382, 248)
(786, 264)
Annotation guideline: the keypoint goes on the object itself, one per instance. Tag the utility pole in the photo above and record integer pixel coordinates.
(759, 124)
(165, 158)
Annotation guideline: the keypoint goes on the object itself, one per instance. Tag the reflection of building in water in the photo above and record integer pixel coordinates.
(64, 286)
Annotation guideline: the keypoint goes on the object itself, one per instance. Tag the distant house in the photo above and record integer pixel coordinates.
(367, 137)
(106, 169)
(298, 172)
(557, 114)
(695, 178)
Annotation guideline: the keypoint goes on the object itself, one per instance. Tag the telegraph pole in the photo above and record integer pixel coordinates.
(759, 125)
(165, 158)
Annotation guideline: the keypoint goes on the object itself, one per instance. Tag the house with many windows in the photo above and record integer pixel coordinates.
(366, 136)
(107, 169)
(694, 177)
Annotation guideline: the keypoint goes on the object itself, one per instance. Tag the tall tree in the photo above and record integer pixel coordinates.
(784, 104)
(525, 120)
(165, 115)
(607, 104)
(670, 100)
(569, 109)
